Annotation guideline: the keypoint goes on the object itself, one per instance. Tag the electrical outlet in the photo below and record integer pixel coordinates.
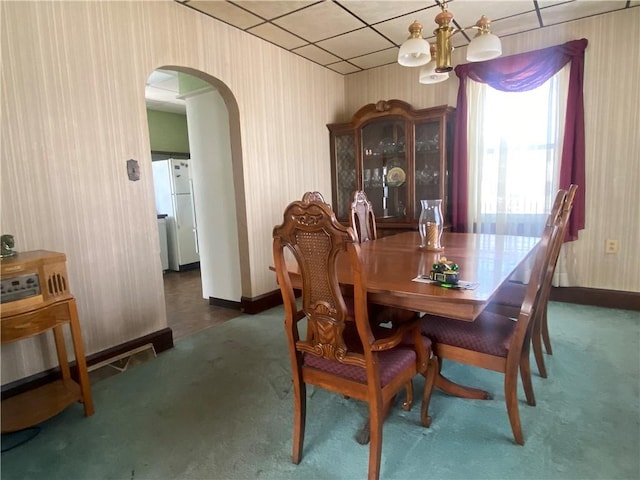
(610, 246)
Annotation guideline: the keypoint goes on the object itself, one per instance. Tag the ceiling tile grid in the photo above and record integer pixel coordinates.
(349, 36)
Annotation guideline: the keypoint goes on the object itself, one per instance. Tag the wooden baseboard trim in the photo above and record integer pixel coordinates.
(189, 266)
(162, 340)
(261, 303)
(221, 302)
(597, 297)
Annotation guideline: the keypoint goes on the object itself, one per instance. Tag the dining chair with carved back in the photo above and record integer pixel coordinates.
(362, 218)
(508, 299)
(498, 342)
(313, 197)
(341, 350)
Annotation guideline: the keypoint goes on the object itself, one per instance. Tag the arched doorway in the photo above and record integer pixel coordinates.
(218, 186)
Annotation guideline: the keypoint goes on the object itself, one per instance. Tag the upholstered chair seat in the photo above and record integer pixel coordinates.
(490, 333)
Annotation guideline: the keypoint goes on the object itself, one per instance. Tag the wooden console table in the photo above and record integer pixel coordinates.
(49, 306)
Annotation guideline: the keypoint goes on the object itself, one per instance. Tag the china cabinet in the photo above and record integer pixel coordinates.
(398, 156)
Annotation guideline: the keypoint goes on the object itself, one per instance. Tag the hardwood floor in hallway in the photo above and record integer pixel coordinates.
(187, 311)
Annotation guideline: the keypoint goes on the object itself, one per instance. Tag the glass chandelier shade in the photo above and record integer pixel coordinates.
(428, 73)
(414, 52)
(485, 45)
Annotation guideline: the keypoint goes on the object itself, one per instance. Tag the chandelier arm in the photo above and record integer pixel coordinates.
(470, 27)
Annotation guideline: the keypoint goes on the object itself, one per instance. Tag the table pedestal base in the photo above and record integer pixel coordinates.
(462, 391)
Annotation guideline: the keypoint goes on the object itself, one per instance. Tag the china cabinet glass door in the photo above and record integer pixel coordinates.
(430, 166)
(384, 167)
(344, 173)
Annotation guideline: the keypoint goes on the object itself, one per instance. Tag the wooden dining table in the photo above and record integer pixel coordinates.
(392, 264)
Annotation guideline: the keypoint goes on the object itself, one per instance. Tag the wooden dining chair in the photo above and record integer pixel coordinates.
(362, 217)
(362, 220)
(341, 350)
(509, 298)
(313, 197)
(494, 341)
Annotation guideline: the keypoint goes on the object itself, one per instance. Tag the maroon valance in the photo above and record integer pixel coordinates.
(519, 73)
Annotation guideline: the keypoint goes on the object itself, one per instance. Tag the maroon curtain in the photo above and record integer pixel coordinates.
(519, 73)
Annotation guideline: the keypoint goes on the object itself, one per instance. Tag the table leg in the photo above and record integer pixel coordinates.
(458, 390)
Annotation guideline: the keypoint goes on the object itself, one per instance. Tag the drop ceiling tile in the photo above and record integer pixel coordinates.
(316, 54)
(375, 11)
(548, 3)
(467, 12)
(376, 59)
(227, 12)
(355, 44)
(272, 9)
(515, 24)
(274, 34)
(320, 21)
(397, 30)
(165, 79)
(343, 68)
(567, 12)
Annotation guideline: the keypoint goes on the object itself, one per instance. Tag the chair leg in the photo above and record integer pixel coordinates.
(536, 343)
(429, 383)
(525, 374)
(376, 419)
(408, 403)
(299, 418)
(363, 435)
(545, 332)
(511, 397)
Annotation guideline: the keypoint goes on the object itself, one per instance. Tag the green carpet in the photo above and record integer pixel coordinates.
(218, 406)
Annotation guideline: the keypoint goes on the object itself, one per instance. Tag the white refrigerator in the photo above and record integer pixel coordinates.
(174, 197)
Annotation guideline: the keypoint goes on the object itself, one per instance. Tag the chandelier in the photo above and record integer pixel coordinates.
(436, 58)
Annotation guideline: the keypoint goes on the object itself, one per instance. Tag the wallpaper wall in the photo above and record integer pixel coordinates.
(168, 132)
(73, 80)
(73, 113)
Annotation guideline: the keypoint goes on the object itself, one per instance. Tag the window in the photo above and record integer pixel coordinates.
(514, 155)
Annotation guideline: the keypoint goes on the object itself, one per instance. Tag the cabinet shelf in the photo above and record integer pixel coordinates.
(380, 155)
(424, 154)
